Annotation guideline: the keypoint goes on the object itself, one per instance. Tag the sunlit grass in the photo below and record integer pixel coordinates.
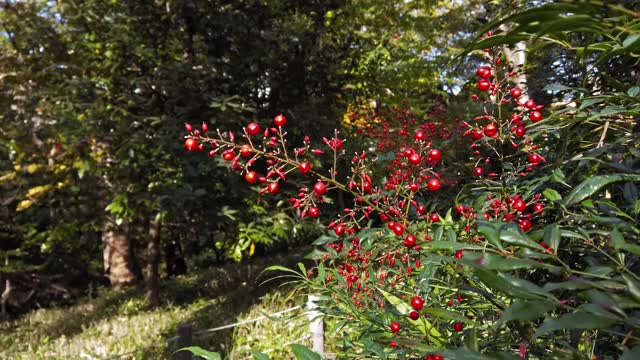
(119, 323)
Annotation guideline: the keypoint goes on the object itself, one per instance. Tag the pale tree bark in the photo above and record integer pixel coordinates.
(153, 250)
(516, 56)
(4, 297)
(118, 262)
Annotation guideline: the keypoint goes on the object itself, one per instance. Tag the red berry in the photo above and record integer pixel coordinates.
(188, 127)
(435, 154)
(434, 217)
(414, 315)
(534, 158)
(477, 134)
(304, 167)
(397, 229)
(530, 104)
(419, 136)
(205, 127)
(519, 205)
(415, 159)
(320, 188)
(253, 129)
(535, 116)
(313, 212)
(434, 184)
(228, 155)
(490, 129)
(520, 131)
(191, 144)
(437, 357)
(417, 302)
(516, 93)
(414, 187)
(515, 118)
(273, 187)
(409, 241)
(395, 326)
(483, 85)
(537, 208)
(251, 177)
(245, 150)
(484, 72)
(279, 120)
(339, 229)
(478, 171)
(458, 254)
(525, 224)
(458, 326)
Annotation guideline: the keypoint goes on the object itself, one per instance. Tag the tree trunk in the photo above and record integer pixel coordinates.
(153, 249)
(118, 262)
(4, 297)
(516, 56)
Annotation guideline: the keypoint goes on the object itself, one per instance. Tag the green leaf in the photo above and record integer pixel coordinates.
(631, 41)
(574, 284)
(490, 233)
(551, 194)
(526, 310)
(631, 354)
(500, 283)
(635, 90)
(618, 242)
(574, 321)
(463, 354)
(257, 355)
(512, 234)
(303, 353)
(591, 101)
(447, 315)
(633, 285)
(325, 239)
(451, 235)
(552, 236)
(556, 87)
(451, 246)
(594, 184)
(501, 263)
(374, 347)
(198, 351)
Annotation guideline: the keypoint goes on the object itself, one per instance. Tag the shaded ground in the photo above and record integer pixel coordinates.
(117, 323)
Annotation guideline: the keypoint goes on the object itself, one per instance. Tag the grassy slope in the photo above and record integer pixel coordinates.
(117, 323)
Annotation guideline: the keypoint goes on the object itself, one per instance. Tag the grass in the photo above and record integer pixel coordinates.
(118, 322)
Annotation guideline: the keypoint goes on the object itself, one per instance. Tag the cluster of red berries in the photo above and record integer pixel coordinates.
(497, 78)
(513, 208)
(411, 151)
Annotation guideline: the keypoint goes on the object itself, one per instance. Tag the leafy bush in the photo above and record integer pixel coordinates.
(524, 246)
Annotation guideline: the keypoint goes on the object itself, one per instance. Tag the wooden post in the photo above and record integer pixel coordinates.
(185, 332)
(316, 326)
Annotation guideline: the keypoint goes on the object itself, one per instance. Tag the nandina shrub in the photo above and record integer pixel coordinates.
(441, 254)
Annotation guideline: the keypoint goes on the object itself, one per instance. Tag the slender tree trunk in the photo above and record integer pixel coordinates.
(4, 297)
(118, 262)
(153, 249)
(516, 56)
